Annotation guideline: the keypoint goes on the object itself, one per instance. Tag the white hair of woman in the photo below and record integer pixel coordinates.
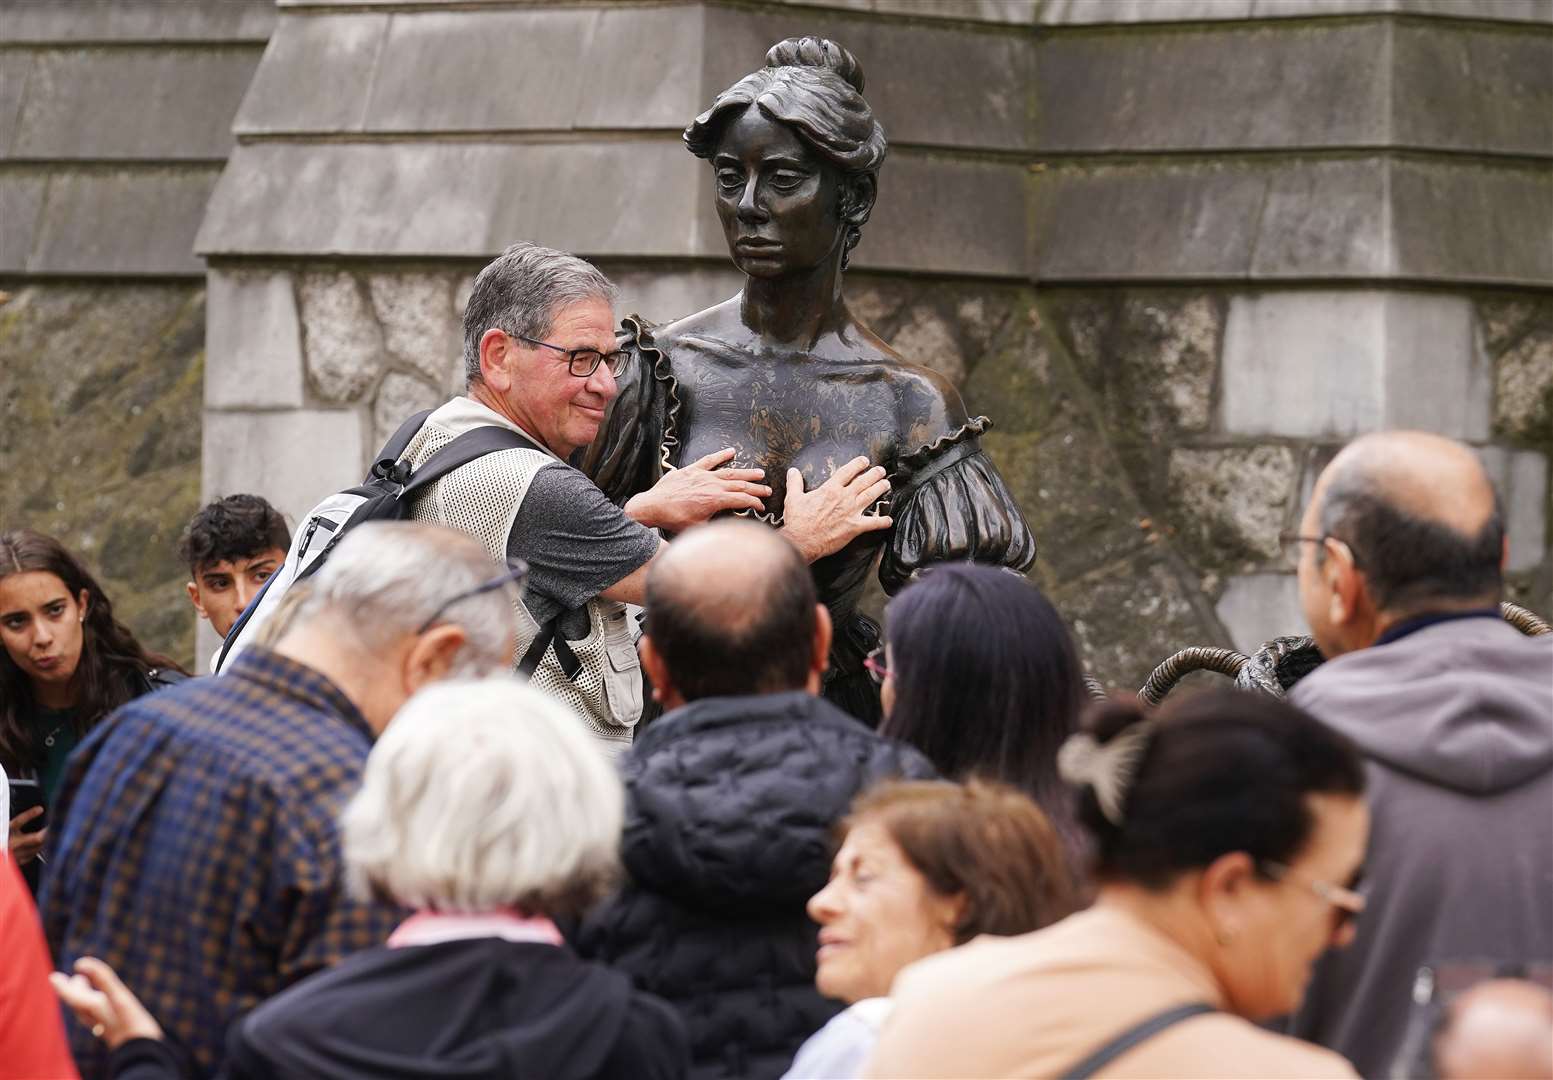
(485, 795)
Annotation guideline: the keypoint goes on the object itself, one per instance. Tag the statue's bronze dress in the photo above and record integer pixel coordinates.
(688, 391)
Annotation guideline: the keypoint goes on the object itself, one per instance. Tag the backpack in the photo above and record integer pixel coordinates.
(385, 495)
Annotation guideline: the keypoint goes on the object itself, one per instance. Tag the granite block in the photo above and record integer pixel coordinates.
(1089, 12)
(1368, 217)
(1521, 477)
(1154, 220)
(122, 220)
(15, 68)
(50, 21)
(21, 208)
(1473, 222)
(1335, 364)
(1221, 86)
(316, 76)
(253, 346)
(947, 216)
(538, 69)
(293, 459)
(938, 85)
(145, 102)
(459, 200)
(1255, 608)
(1473, 87)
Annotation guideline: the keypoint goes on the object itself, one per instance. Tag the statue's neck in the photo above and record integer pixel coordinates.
(796, 309)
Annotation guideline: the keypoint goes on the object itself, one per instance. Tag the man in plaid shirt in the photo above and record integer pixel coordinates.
(196, 849)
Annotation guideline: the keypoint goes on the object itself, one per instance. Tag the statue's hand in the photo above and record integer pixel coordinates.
(685, 497)
(828, 518)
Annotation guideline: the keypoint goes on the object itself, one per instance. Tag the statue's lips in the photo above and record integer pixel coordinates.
(756, 245)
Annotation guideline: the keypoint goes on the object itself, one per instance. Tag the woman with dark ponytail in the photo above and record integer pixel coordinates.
(788, 377)
(1228, 832)
(66, 664)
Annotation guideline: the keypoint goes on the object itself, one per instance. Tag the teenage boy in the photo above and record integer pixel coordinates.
(232, 547)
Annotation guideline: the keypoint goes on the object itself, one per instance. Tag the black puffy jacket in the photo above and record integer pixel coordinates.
(728, 833)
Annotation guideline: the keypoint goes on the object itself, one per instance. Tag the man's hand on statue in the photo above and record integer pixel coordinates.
(827, 519)
(692, 495)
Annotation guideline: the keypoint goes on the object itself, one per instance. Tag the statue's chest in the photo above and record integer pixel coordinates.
(810, 416)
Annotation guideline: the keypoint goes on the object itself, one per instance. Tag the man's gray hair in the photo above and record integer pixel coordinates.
(521, 291)
(484, 795)
(388, 578)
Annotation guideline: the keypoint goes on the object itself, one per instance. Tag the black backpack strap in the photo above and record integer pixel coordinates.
(1140, 1032)
(550, 634)
(394, 448)
(464, 449)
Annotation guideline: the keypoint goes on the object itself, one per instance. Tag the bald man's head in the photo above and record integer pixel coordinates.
(1498, 1030)
(731, 611)
(1420, 515)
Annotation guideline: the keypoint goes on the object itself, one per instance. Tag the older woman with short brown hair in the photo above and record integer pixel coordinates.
(923, 866)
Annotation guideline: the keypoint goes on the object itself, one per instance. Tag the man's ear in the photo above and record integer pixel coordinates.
(819, 659)
(194, 598)
(857, 199)
(432, 656)
(496, 360)
(657, 670)
(1348, 590)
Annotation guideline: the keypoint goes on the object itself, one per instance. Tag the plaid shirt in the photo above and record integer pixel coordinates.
(194, 848)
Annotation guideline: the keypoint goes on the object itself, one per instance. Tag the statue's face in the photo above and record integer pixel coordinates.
(778, 200)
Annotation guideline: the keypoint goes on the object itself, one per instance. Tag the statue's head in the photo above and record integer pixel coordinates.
(796, 152)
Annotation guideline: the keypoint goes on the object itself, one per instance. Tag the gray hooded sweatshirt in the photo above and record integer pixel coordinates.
(1456, 722)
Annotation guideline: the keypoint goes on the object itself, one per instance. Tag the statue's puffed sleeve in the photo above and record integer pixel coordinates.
(629, 453)
(951, 505)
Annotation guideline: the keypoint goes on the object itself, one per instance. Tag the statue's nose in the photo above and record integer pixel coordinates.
(749, 205)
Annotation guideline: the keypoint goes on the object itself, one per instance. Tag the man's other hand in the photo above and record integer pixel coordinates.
(827, 519)
(694, 494)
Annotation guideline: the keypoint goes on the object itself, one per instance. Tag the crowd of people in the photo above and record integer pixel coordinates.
(454, 810)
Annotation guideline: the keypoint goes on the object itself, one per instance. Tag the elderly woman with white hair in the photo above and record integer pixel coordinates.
(488, 811)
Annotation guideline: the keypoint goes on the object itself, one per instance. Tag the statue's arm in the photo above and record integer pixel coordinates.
(949, 501)
(625, 458)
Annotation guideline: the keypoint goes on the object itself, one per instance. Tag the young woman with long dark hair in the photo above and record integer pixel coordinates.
(979, 673)
(66, 664)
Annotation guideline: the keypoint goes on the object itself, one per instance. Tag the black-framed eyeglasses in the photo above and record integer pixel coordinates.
(1289, 544)
(874, 664)
(1346, 901)
(517, 573)
(584, 362)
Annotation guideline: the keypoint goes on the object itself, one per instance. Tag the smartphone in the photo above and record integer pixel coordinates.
(25, 794)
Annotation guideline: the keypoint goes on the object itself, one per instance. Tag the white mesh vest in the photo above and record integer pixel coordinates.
(483, 499)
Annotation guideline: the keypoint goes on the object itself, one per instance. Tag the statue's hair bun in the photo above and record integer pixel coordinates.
(817, 52)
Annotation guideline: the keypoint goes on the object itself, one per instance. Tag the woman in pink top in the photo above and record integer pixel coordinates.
(1229, 831)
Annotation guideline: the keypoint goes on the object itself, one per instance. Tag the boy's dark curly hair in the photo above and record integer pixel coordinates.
(234, 527)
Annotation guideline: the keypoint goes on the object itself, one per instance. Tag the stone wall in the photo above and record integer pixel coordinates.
(1180, 250)
(115, 121)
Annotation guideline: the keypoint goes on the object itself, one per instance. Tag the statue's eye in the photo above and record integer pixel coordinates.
(729, 179)
(787, 181)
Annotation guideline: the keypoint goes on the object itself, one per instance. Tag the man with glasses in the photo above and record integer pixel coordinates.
(1399, 556)
(196, 849)
(540, 359)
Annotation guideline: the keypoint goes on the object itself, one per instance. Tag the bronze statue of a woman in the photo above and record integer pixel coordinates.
(785, 374)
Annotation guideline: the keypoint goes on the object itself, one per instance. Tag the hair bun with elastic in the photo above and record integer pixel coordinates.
(817, 52)
(1106, 755)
